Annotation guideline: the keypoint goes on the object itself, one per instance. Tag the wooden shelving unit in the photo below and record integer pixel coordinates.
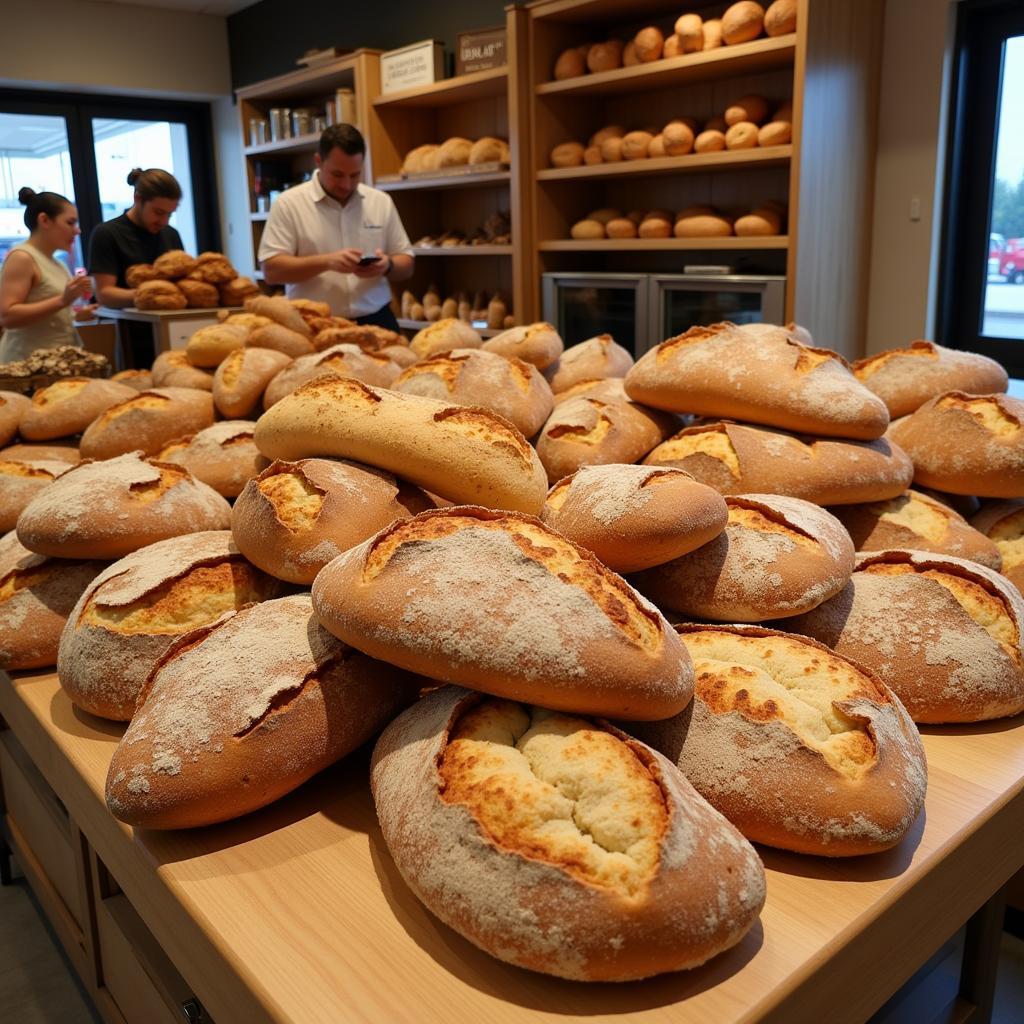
(460, 181)
(692, 163)
(476, 85)
(780, 242)
(463, 250)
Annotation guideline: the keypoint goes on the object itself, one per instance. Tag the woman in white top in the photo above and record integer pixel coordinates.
(36, 291)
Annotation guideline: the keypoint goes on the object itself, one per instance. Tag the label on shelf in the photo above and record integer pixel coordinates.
(411, 66)
(480, 50)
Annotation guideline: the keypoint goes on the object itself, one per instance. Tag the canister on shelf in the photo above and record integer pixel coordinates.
(302, 121)
(346, 105)
(280, 123)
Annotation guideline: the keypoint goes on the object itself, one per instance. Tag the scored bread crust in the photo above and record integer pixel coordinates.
(443, 336)
(459, 452)
(736, 458)
(12, 407)
(242, 711)
(1003, 523)
(69, 406)
(20, 481)
(223, 456)
(337, 361)
(922, 641)
(703, 896)
(240, 380)
(759, 376)
(538, 344)
(173, 370)
(594, 359)
(741, 754)
(280, 310)
(501, 603)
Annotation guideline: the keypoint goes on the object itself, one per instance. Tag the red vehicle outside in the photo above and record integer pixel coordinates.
(1006, 258)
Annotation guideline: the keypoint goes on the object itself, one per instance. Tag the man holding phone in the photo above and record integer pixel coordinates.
(335, 240)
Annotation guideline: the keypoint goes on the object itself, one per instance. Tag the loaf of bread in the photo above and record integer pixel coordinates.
(775, 133)
(20, 481)
(442, 336)
(587, 229)
(414, 159)
(571, 63)
(488, 150)
(780, 18)
(944, 633)
(593, 359)
(174, 263)
(213, 268)
(558, 843)
(69, 406)
(235, 292)
(1003, 523)
(608, 389)
(159, 295)
(138, 380)
(136, 609)
(139, 273)
(760, 222)
(280, 310)
(605, 56)
(281, 339)
(539, 344)
(503, 604)
(242, 711)
(750, 107)
(742, 22)
(223, 456)
(368, 337)
(172, 369)
(709, 141)
(211, 345)
(567, 154)
(66, 452)
(198, 294)
(338, 361)
(12, 407)
(241, 379)
(690, 30)
(798, 747)
(109, 509)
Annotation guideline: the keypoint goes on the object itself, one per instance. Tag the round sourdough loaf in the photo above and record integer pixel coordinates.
(609, 389)
(1003, 523)
(138, 380)
(506, 385)
(368, 337)
(279, 338)
(538, 344)
(244, 710)
(763, 377)
(905, 378)
(295, 517)
(12, 407)
(224, 456)
(240, 380)
(966, 444)
(36, 597)
(460, 453)
(69, 406)
(339, 361)
(915, 520)
(442, 336)
(111, 508)
(20, 481)
(635, 517)
(62, 451)
(211, 345)
(173, 370)
(776, 557)
(132, 613)
(799, 748)
(146, 422)
(593, 359)
(944, 633)
(738, 459)
(503, 604)
(280, 310)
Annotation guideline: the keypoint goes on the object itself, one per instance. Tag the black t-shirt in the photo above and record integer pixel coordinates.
(119, 244)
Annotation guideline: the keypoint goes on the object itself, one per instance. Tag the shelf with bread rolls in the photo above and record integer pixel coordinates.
(469, 180)
(694, 163)
(462, 250)
(779, 242)
(475, 85)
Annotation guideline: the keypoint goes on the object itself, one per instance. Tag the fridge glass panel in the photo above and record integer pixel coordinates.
(584, 311)
(684, 309)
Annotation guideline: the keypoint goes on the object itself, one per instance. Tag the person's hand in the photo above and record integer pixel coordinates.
(86, 312)
(344, 261)
(77, 288)
(373, 269)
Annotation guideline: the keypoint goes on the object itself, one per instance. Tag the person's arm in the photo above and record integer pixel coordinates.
(401, 261)
(15, 284)
(110, 295)
(104, 267)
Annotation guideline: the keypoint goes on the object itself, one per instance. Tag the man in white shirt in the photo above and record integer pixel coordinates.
(336, 240)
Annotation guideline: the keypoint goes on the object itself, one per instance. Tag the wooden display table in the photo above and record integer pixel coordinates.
(171, 327)
(297, 913)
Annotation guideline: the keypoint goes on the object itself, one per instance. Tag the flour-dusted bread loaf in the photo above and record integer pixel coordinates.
(776, 557)
(635, 517)
(915, 520)
(146, 422)
(242, 378)
(368, 337)
(338, 361)
(280, 310)
(609, 389)
(463, 454)
(593, 359)
(223, 456)
(1003, 523)
(558, 843)
(501, 603)
(174, 263)
(295, 517)
(132, 612)
(763, 377)
(62, 451)
(211, 345)
(69, 406)
(173, 370)
(110, 508)
(36, 597)
(12, 407)
(137, 380)
(443, 336)
(506, 385)
(944, 633)
(905, 378)
(279, 338)
(538, 344)
(798, 747)
(20, 481)
(966, 444)
(242, 711)
(736, 458)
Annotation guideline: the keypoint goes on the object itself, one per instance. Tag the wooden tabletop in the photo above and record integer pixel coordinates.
(297, 913)
(156, 315)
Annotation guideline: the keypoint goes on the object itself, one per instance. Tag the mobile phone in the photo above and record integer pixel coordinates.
(367, 260)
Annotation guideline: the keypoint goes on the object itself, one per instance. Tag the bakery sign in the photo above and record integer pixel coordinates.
(412, 66)
(480, 50)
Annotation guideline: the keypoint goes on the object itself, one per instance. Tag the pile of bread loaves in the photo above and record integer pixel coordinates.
(691, 33)
(176, 280)
(455, 152)
(561, 775)
(493, 308)
(699, 221)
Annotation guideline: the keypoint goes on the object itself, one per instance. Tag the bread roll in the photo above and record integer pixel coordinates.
(174, 263)
(712, 33)
(762, 221)
(172, 369)
(587, 229)
(678, 138)
(137, 380)
(250, 321)
(66, 452)
(567, 154)
(198, 294)
(609, 131)
(400, 354)
(612, 149)
(635, 145)
(443, 336)
(709, 141)
(538, 344)
(775, 133)
(621, 227)
(905, 378)
(780, 18)
(747, 108)
(68, 406)
(742, 135)
(742, 22)
(592, 155)
(415, 159)
(689, 28)
(139, 273)
(12, 407)
(223, 456)
(605, 56)
(798, 747)
(210, 346)
(159, 295)
(487, 150)
(280, 339)
(593, 359)
(109, 509)
(454, 152)
(501, 603)
(961, 661)
(242, 712)
(241, 379)
(630, 58)
(522, 877)
(235, 292)
(339, 361)
(703, 225)
(1003, 523)
(20, 481)
(656, 148)
(570, 64)
(281, 311)
(213, 268)
(649, 43)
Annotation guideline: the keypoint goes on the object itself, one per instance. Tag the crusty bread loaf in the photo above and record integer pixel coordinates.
(69, 406)
(453, 152)
(711, 30)
(368, 337)
(337, 361)
(799, 748)
(174, 263)
(944, 633)
(244, 710)
(198, 294)
(132, 612)
(567, 154)
(1003, 523)
(139, 273)
(488, 149)
(211, 345)
(173, 370)
(12, 407)
(241, 379)
(558, 843)
(442, 336)
(213, 268)
(905, 378)
(780, 18)
(966, 444)
(690, 30)
(608, 389)
(139, 380)
(768, 378)
(109, 509)
(463, 454)
(280, 310)
(593, 359)
(281, 339)
(918, 521)
(711, 140)
(223, 456)
(635, 517)
(775, 133)
(501, 603)
(61, 451)
(538, 344)
(236, 292)
(400, 354)
(605, 56)
(146, 422)
(20, 481)
(295, 517)
(36, 597)
(742, 22)
(159, 295)
(570, 63)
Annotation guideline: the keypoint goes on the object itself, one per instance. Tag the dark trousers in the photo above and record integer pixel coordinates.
(384, 317)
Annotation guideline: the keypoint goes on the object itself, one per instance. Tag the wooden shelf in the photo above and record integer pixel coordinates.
(661, 244)
(462, 250)
(297, 144)
(307, 81)
(450, 181)
(727, 61)
(418, 325)
(692, 163)
(474, 86)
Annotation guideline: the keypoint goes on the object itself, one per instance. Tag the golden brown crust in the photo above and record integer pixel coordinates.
(1003, 523)
(594, 359)
(159, 294)
(139, 273)
(443, 336)
(235, 292)
(199, 294)
(20, 481)
(223, 456)
(138, 380)
(281, 311)
(367, 336)
(338, 361)
(241, 379)
(12, 407)
(174, 263)
(173, 370)
(538, 344)
(281, 339)
(69, 406)
(211, 345)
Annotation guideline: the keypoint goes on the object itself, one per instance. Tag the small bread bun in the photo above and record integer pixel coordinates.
(678, 138)
(609, 131)
(567, 154)
(223, 456)
(742, 135)
(605, 56)
(593, 359)
(458, 579)
(400, 354)
(775, 133)
(137, 380)
(587, 229)
(339, 361)
(1003, 523)
(621, 227)
(66, 452)
(69, 406)
(780, 18)
(36, 597)
(159, 295)
(281, 311)
(475, 807)
(20, 481)
(689, 29)
(172, 369)
(453, 152)
(592, 155)
(213, 268)
(657, 147)
(571, 63)
(709, 141)
(443, 336)
(961, 662)
(280, 339)
(488, 150)
(742, 22)
(414, 159)
(649, 43)
(538, 344)
(241, 379)
(199, 294)
(702, 225)
(765, 220)
(796, 746)
(174, 263)
(368, 337)
(109, 509)
(611, 149)
(210, 346)
(747, 108)
(635, 517)
(635, 145)
(12, 407)
(140, 273)
(235, 293)
(242, 712)
(630, 59)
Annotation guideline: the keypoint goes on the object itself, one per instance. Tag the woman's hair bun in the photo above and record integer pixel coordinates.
(26, 195)
(134, 174)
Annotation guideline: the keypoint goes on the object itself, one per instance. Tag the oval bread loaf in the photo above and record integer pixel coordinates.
(593, 359)
(173, 370)
(1003, 523)
(240, 380)
(223, 456)
(20, 481)
(538, 344)
(337, 361)
(69, 406)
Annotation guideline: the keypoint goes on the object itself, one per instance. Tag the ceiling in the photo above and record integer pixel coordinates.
(217, 7)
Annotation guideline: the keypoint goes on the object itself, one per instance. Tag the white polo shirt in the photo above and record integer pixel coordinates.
(306, 221)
